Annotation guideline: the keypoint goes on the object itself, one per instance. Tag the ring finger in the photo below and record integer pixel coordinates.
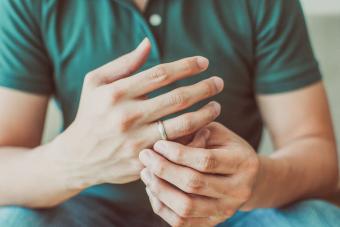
(184, 124)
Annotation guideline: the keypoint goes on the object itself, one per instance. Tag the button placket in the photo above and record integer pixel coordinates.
(155, 19)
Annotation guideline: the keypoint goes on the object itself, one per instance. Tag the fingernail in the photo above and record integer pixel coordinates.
(159, 146)
(143, 43)
(144, 157)
(145, 176)
(217, 107)
(219, 83)
(202, 62)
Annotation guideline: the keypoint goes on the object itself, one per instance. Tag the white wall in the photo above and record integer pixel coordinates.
(321, 6)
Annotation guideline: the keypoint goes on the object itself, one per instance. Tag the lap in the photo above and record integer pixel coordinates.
(311, 213)
(90, 211)
(81, 211)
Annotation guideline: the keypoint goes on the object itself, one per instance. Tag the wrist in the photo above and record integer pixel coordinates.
(260, 183)
(48, 178)
(62, 157)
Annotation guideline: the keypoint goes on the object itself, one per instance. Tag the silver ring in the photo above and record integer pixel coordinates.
(161, 130)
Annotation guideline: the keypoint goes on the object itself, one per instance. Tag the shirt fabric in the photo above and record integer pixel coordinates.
(256, 46)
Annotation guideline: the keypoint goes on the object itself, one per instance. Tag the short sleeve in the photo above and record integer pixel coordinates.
(283, 52)
(24, 62)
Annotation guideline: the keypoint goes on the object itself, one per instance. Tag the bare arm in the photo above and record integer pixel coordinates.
(25, 172)
(305, 162)
(207, 181)
(112, 134)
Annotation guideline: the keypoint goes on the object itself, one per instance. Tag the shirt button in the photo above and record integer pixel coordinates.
(155, 19)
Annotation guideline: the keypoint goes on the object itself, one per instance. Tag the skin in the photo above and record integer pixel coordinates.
(111, 135)
(206, 181)
(217, 172)
(141, 4)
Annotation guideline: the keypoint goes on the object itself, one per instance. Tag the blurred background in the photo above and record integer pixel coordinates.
(323, 20)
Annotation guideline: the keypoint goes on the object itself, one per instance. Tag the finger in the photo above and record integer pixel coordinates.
(183, 125)
(213, 161)
(184, 178)
(162, 75)
(181, 98)
(160, 209)
(171, 217)
(189, 123)
(122, 66)
(200, 139)
(182, 204)
(164, 212)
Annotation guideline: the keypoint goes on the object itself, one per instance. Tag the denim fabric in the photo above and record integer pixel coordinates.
(80, 211)
(86, 211)
(310, 213)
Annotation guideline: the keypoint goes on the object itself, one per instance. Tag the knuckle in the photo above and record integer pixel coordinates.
(126, 120)
(177, 99)
(190, 65)
(90, 77)
(159, 167)
(207, 162)
(186, 124)
(117, 94)
(159, 73)
(209, 88)
(194, 183)
(134, 145)
(177, 154)
(157, 208)
(179, 222)
(186, 210)
(154, 187)
(124, 123)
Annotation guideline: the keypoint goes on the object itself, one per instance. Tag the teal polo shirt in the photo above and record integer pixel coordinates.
(256, 46)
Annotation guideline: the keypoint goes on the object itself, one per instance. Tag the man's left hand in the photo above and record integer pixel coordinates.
(202, 183)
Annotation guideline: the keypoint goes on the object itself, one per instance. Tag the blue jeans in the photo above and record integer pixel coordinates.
(90, 211)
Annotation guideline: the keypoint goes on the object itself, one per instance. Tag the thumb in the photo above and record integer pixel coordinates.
(200, 138)
(123, 66)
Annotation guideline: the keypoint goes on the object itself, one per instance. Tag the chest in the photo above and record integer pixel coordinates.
(99, 31)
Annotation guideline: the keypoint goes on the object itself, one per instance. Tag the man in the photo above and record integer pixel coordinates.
(135, 116)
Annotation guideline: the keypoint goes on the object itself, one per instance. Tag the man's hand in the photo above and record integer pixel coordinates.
(191, 186)
(115, 120)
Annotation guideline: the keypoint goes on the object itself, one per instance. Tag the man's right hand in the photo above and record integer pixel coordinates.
(115, 120)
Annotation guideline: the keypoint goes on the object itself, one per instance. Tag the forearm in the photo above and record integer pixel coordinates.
(30, 177)
(303, 169)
